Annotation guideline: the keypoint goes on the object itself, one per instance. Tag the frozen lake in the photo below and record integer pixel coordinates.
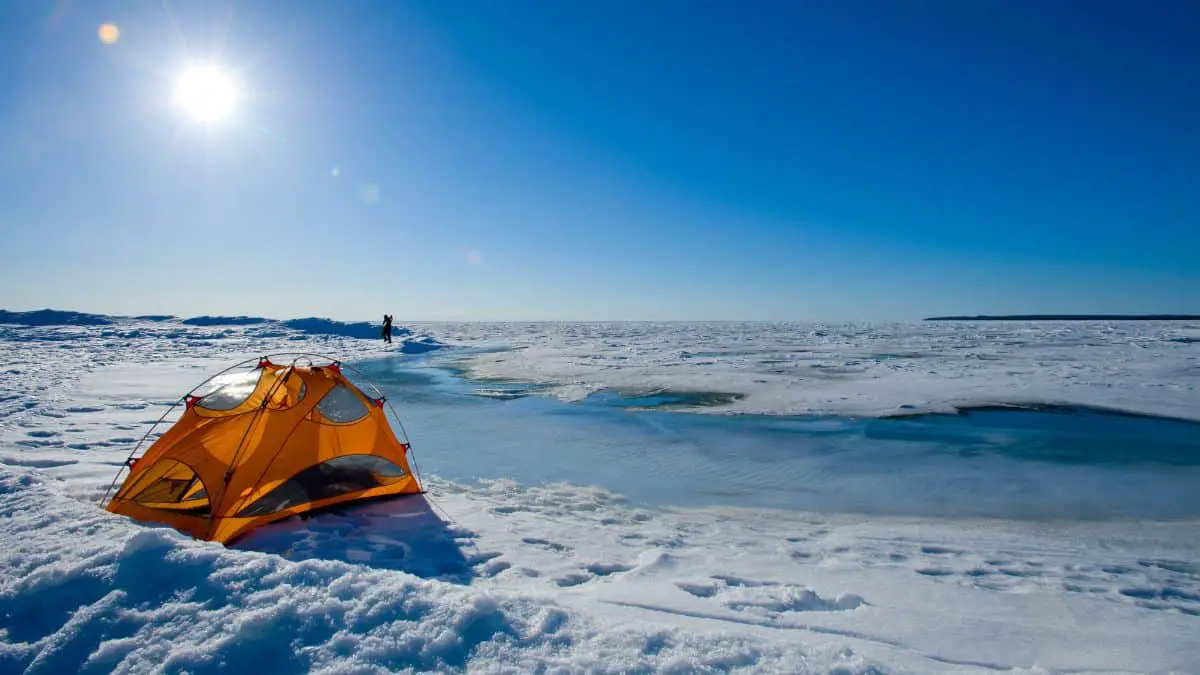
(634, 498)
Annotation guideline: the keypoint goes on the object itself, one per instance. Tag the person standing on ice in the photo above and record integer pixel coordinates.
(387, 328)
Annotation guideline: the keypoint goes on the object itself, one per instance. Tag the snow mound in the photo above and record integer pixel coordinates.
(358, 329)
(53, 317)
(85, 591)
(318, 326)
(420, 345)
(225, 320)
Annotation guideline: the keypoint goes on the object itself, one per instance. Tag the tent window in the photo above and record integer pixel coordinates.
(232, 390)
(342, 406)
(282, 396)
(172, 486)
(338, 476)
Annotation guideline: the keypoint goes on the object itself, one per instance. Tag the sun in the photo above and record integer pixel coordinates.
(205, 93)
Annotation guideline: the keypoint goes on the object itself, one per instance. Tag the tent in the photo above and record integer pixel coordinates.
(258, 444)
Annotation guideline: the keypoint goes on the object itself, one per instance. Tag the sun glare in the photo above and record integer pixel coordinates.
(205, 93)
(109, 33)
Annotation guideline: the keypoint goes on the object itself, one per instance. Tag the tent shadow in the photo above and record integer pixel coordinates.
(401, 533)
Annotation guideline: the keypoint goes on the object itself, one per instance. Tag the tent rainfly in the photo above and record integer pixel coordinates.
(261, 444)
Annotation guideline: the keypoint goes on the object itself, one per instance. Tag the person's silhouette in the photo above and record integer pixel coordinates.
(387, 328)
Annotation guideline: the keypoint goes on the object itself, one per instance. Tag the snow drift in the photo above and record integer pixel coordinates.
(361, 329)
(224, 320)
(83, 592)
(53, 317)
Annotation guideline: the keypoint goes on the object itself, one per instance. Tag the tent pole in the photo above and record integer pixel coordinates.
(129, 459)
(157, 422)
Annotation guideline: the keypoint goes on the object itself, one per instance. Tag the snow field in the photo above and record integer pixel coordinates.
(507, 577)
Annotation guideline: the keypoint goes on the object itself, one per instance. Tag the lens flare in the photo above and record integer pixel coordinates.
(109, 33)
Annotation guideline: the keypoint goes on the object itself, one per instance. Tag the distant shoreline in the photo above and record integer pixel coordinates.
(1069, 317)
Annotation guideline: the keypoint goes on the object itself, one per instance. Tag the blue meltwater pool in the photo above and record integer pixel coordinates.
(1006, 463)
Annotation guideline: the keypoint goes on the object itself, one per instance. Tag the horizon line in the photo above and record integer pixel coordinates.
(1158, 316)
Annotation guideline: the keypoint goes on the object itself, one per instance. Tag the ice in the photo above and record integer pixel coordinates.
(615, 534)
(53, 317)
(224, 320)
(1147, 367)
(360, 329)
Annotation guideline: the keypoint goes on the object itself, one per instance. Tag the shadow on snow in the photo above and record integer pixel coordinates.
(401, 533)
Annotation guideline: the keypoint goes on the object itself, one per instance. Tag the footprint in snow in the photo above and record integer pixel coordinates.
(482, 558)
(494, 567)
(40, 443)
(768, 598)
(698, 590)
(37, 463)
(1176, 566)
(934, 572)
(507, 510)
(547, 544)
(131, 406)
(574, 579)
(591, 572)
(606, 569)
(939, 550)
(1154, 585)
(738, 582)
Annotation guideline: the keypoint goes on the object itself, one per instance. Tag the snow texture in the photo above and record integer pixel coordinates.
(1144, 367)
(498, 575)
(85, 592)
(224, 320)
(52, 317)
(316, 326)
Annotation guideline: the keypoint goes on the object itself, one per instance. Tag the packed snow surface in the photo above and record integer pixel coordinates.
(594, 535)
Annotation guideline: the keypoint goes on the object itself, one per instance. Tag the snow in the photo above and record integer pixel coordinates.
(555, 538)
(317, 326)
(1144, 367)
(52, 317)
(224, 320)
(84, 592)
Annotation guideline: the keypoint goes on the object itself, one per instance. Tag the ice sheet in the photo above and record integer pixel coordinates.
(1145, 367)
(510, 576)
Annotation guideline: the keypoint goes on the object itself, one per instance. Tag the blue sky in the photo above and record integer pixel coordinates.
(519, 160)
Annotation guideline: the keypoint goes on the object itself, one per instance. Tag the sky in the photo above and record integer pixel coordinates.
(544, 160)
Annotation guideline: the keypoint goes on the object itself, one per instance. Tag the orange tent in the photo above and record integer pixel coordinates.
(261, 444)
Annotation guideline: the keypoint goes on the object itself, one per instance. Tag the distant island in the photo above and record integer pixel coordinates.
(1069, 317)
